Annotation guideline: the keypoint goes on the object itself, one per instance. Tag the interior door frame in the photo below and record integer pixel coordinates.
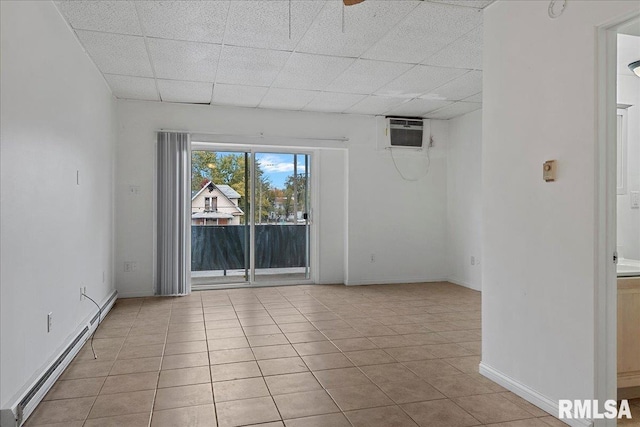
(605, 292)
(313, 243)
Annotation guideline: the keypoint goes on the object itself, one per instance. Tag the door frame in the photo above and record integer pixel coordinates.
(605, 292)
(313, 243)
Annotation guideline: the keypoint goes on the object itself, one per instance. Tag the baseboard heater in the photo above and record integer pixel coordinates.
(18, 413)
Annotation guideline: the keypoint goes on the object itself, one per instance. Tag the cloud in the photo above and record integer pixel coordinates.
(274, 164)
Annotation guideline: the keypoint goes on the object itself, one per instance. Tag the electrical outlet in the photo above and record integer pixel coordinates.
(130, 266)
(82, 293)
(49, 322)
(373, 258)
(473, 260)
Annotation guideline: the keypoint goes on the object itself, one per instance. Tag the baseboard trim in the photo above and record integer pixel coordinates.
(24, 405)
(541, 401)
(464, 283)
(394, 281)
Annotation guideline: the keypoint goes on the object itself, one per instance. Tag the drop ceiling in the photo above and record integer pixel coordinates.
(392, 57)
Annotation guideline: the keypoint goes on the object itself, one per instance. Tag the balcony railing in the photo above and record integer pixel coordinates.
(223, 247)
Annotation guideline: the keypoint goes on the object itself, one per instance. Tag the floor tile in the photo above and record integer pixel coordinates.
(71, 389)
(189, 360)
(61, 411)
(441, 413)
(184, 376)
(359, 397)
(287, 365)
(234, 371)
(343, 377)
(91, 369)
(369, 357)
(267, 340)
(239, 389)
(297, 327)
(492, 408)
(135, 352)
(188, 395)
(132, 366)
(306, 336)
(230, 356)
(432, 368)
(227, 343)
(354, 344)
(327, 361)
(292, 383)
(130, 382)
(380, 417)
(327, 420)
(110, 405)
(316, 347)
(185, 347)
(274, 352)
(388, 372)
(224, 333)
(131, 420)
(410, 391)
(304, 404)
(458, 385)
(246, 411)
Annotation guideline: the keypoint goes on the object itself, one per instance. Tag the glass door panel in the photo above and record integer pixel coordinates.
(281, 216)
(220, 226)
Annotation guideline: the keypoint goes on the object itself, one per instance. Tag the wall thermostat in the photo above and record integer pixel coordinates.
(549, 171)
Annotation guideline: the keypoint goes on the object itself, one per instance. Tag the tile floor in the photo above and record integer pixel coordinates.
(294, 356)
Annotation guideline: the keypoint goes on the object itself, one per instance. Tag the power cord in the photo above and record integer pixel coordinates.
(99, 320)
(427, 163)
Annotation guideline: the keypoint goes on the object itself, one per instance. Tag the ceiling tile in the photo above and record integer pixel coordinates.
(107, 16)
(179, 60)
(417, 107)
(426, 30)
(265, 24)
(249, 66)
(474, 98)
(454, 110)
(478, 4)
(117, 54)
(333, 102)
(460, 88)
(419, 80)
(128, 87)
(365, 76)
(180, 91)
(243, 96)
(466, 52)
(364, 24)
(198, 21)
(287, 99)
(313, 72)
(375, 105)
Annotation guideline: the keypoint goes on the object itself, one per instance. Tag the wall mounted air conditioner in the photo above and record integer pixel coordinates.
(404, 132)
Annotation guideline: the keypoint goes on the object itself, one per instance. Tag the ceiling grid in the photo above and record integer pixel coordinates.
(400, 57)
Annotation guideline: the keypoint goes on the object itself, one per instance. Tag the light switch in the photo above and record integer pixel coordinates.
(549, 171)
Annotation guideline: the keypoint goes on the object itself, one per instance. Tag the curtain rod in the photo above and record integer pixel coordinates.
(260, 135)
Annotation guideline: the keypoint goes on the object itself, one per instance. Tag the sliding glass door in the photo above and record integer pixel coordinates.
(251, 221)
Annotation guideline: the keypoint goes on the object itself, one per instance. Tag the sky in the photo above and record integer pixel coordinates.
(278, 167)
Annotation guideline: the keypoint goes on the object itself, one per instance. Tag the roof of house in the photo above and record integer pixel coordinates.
(226, 191)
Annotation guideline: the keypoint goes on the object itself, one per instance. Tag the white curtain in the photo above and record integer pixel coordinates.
(173, 256)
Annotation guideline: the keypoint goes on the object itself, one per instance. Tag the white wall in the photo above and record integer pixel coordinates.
(538, 274)
(464, 200)
(629, 93)
(406, 236)
(57, 118)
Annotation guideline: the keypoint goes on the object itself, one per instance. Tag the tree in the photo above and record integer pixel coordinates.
(229, 169)
(295, 186)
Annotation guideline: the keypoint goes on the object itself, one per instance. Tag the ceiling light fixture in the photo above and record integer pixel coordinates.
(635, 67)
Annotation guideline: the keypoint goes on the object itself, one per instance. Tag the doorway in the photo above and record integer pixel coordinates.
(251, 222)
(612, 356)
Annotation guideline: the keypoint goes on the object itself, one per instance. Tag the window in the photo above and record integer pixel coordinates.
(210, 204)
